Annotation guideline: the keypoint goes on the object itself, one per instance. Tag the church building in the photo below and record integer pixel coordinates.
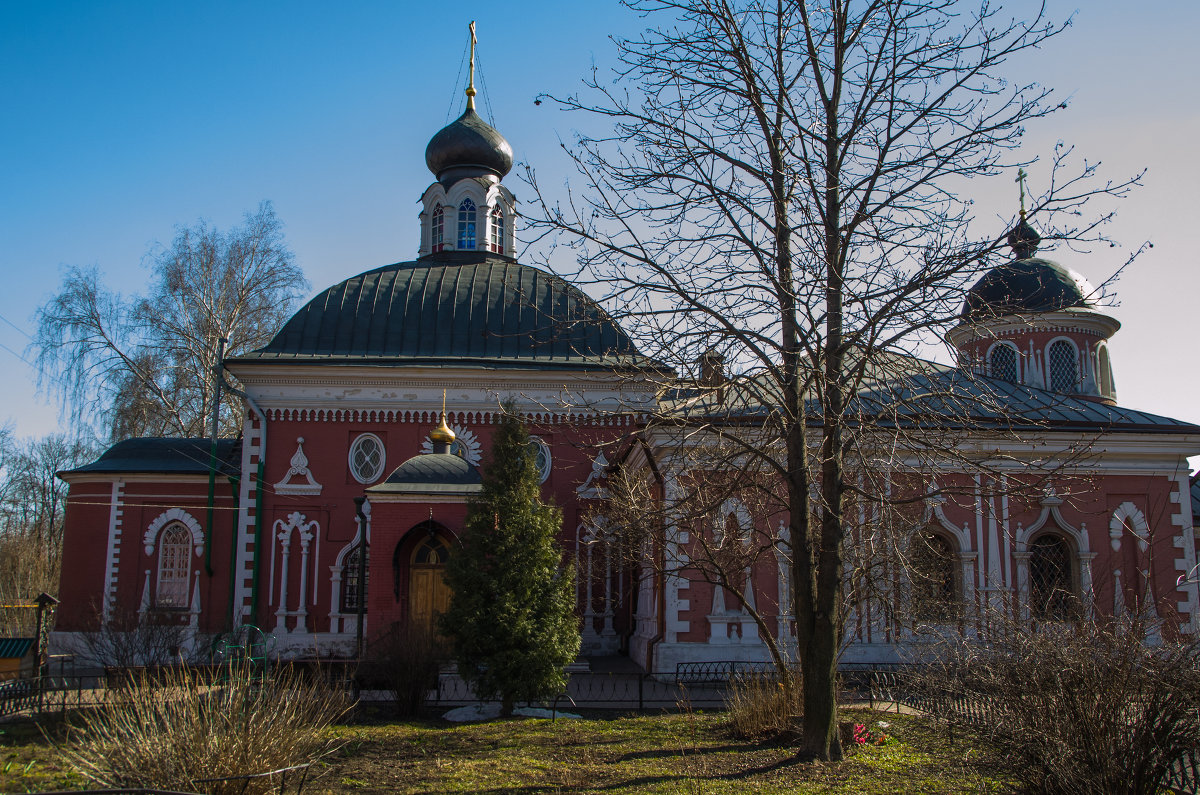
(369, 413)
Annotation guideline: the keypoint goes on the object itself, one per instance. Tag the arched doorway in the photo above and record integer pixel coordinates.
(428, 594)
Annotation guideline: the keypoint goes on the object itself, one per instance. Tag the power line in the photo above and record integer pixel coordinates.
(14, 353)
(18, 328)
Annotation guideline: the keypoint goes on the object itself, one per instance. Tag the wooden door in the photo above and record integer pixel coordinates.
(428, 594)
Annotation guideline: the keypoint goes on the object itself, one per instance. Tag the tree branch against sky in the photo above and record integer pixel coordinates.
(142, 366)
(786, 185)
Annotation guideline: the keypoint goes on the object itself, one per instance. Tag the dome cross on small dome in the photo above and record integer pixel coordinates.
(471, 70)
(1023, 239)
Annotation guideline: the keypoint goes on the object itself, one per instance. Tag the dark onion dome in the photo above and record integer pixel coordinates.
(467, 308)
(431, 473)
(468, 147)
(1027, 285)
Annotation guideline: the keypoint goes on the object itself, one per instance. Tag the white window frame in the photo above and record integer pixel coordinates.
(547, 462)
(354, 445)
(1076, 376)
(174, 567)
(1016, 359)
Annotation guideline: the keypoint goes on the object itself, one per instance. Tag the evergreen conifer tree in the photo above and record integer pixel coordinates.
(511, 618)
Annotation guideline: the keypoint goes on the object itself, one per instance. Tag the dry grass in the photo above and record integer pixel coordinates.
(760, 707)
(181, 728)
(663, 754)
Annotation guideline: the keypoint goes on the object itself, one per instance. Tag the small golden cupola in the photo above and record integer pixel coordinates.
(442, 437)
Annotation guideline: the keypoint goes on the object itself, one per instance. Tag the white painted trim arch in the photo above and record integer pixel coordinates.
(1128, 517)
(732, 507)
(1050, 509)
(167, 517)
(1017, 369)
(1079, 385)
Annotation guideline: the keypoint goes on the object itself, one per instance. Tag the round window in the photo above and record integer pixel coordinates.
(541, 452)
(366, 458)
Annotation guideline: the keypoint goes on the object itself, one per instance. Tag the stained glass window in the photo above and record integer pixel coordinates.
(466, 225)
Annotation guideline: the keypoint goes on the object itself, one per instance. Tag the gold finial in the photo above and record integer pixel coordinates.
(442, 433)
(471, 73)
(1020, 180)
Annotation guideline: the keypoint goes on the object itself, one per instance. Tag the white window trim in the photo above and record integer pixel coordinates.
(543, 471)
(1078, 379)
(382, 458)
(741, 515)
(1016, 358)
(150, 539)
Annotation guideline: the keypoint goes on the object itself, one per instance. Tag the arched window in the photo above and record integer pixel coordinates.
(934, 578)
(1064, 371)
(1104, 368)
(466, 225)
(1051, 583)
(437, 229)
(1003, 363)
(496, 231)
(431, 553)
(351, 591)
(174, 547)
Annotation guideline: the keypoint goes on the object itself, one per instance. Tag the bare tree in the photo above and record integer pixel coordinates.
(32, 505)
(781, 195)
(148, 361)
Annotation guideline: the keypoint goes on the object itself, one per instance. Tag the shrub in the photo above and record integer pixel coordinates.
(1088, 707)
(761, 706)
(405, 661)
(178, 729)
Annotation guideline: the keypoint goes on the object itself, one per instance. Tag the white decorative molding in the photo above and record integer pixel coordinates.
(298, 468)
(307, 532)
(1128, 517)
(591, 489)
(466, 444)
(1185, 544)
(174, 515)
(360, 441)
(741, 515)
(113, 552)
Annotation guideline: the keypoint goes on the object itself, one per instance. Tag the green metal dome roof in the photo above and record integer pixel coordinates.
(1026, 287)
(431, 473)
(468, 147)
(459, 308)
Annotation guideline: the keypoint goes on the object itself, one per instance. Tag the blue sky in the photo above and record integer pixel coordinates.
(122, 120)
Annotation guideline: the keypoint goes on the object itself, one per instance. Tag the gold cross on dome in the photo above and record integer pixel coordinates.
(471, 73)
(1020, 180)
